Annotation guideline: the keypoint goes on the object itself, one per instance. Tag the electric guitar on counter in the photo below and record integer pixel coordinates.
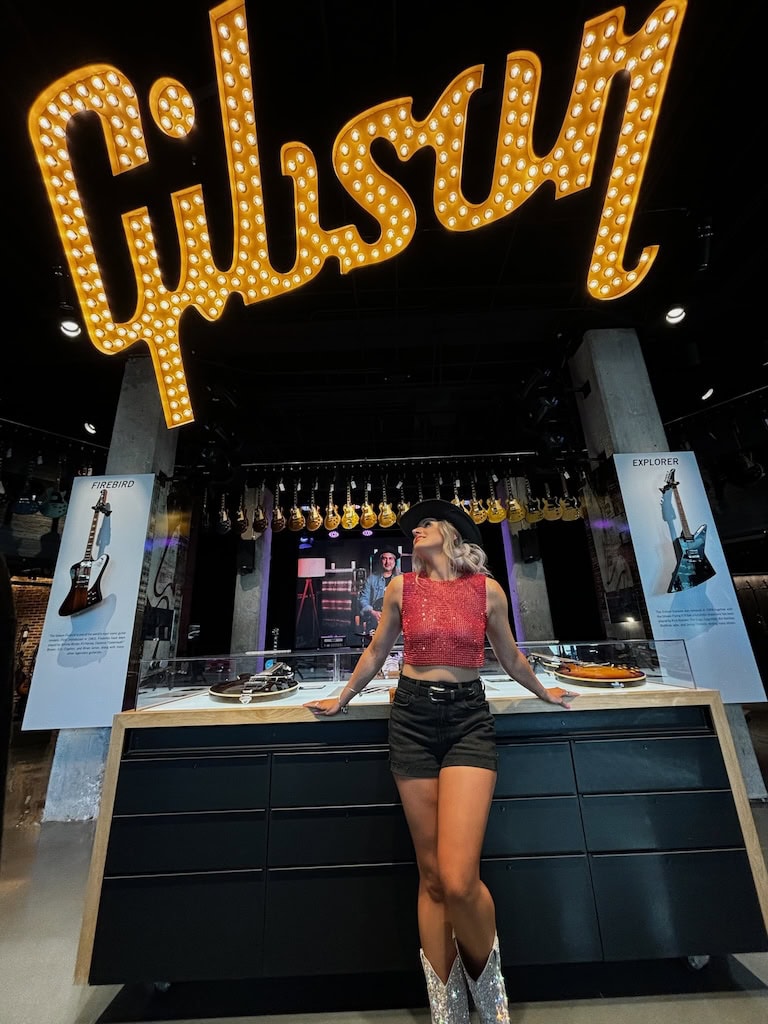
(349, 517)
(496, 511)
(332, 517)
(551, 508)
(478, 513)
(278, 516)
(296, 520)
(693, 567)
(86, 574)
(368, 517)
(587, 673)
(314, 515)
(515, 510)
(386, 515)
(260, 521)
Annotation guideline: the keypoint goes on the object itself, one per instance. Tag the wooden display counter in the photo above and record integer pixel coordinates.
(247, 842)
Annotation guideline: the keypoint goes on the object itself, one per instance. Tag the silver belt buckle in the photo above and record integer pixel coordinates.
(437, 689)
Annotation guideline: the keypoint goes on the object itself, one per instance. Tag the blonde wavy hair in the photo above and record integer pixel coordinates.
(465, 558)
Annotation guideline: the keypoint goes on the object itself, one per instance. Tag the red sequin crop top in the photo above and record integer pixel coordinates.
(444, 620)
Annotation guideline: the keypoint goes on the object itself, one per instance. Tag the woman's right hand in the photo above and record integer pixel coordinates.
(326, 708)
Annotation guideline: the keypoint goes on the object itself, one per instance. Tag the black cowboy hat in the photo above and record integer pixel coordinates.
(437, 508)
(387, 549)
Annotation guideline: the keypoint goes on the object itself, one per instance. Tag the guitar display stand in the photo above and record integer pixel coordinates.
(308, 592)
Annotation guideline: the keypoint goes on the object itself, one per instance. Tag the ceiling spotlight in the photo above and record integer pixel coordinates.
(707, 394)
(89, 427)
(675, 315)
(69, 327)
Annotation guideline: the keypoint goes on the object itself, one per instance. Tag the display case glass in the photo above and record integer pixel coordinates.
(256, 678)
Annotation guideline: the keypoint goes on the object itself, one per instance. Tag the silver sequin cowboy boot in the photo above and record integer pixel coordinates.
(488, 992)
(448, 1001)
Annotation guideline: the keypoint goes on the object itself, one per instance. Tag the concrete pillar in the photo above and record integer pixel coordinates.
(249, 617)
(529, 597)
(620, 415)
(141, 443)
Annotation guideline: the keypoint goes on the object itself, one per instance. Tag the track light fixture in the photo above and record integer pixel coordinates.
(675, 315)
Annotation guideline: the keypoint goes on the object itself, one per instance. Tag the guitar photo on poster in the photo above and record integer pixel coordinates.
(693, 567)
(86, 574)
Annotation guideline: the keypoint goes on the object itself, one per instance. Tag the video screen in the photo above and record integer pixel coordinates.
(340, 583)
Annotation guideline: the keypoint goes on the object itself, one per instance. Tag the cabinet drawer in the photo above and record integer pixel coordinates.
(197, 783)
(192, 784)
(332, 778)
(534, 826)
(204, 841)
(677, 904)
(661, 821)
(376, 834)
(179, 928)
(627, 765)
(341, 920)
(535, 769)
(545, 910)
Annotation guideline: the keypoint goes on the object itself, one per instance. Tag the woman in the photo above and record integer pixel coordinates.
(443, 746)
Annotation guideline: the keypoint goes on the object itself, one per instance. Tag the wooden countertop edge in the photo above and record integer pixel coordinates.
(164, 716)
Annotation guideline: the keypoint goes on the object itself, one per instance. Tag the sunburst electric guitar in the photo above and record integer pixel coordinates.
(296, 519)
(570, 504)
(368, 517)
(278, 520)
(349, 515)
(515, 509)
(402, 505)
(552, 510)
(534, 507)
(496, 511)
(332, 517)
(693, 567)
(478, 513)
(86, 574)
(387, 516)
(314, 515)
(260, 522)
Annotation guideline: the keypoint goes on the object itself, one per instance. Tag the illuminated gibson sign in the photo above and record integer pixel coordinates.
(518, 172)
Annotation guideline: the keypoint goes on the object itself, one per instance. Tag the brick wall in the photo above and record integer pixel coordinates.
(30, 598)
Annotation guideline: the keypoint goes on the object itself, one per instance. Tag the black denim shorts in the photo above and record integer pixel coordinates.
(436, 725)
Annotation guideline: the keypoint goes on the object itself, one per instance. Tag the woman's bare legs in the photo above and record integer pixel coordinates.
(447, 818)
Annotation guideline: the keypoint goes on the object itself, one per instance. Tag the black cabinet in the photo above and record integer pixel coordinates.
(179, 927)
(272, 850)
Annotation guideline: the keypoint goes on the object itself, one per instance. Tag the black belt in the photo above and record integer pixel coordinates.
(446, 693)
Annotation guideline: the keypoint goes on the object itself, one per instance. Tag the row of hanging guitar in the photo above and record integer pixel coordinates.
(550, 508)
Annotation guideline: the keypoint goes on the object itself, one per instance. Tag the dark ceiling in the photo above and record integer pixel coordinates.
(449, 348)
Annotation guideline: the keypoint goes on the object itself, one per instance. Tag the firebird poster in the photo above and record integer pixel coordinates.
(82, 662)
(686, 581)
